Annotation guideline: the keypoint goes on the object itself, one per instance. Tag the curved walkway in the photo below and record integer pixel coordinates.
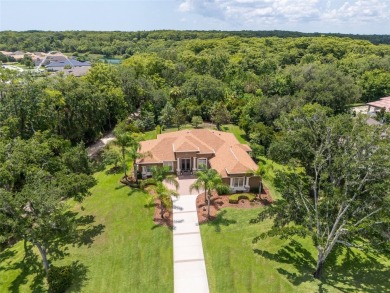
(188, 260)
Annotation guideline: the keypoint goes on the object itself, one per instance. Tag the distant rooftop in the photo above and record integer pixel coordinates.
(381, 103)
(61, 61)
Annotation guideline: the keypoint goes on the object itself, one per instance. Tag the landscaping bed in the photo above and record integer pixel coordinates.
(242, 200)
(168, 215)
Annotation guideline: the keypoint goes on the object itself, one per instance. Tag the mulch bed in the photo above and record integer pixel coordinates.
(222, 201)
(168, 217)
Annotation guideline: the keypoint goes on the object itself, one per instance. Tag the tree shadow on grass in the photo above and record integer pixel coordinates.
(356, 271)
(345, 270)
(79, 276)
(219, 221)
(29, 265)
(295, 254)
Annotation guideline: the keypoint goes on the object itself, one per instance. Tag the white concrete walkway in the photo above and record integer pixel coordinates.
(188, 260)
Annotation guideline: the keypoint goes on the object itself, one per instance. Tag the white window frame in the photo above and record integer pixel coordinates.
(200, 164)
(147, 169)
(169, 164)
(236, 182)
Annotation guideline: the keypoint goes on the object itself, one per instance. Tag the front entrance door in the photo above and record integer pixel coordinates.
(185, 165)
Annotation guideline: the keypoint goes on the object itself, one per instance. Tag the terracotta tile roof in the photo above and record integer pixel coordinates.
(230, 157)
(381, 103)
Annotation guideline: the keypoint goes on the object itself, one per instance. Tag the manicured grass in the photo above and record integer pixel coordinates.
(131, 255)
(237, 131)
(235, 264)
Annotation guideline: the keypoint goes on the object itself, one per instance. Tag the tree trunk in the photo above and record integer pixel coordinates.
(124, 163)
(135, 171)
(205, 195)
(26, 252)
(320, 264)
(43, 253)
(162, 209)
(208, 206)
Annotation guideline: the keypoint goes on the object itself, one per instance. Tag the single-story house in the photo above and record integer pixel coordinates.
(375, 106)
(187, 151)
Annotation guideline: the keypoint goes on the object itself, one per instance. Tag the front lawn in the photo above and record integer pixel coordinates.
(131, 255)
(234, 264)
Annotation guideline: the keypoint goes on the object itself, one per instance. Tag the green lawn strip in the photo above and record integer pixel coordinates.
(131, 255)
(235, 264)
(237, 131)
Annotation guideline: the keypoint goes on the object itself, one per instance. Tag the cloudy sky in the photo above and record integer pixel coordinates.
(337, 16)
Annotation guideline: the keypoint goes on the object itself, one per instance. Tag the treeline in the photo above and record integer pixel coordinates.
(247, 81)
(128, 43)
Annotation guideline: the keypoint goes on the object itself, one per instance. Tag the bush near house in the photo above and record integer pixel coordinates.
(234, 198)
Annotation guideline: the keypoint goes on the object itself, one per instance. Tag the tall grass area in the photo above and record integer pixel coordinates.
(235, 264)
(131, 255)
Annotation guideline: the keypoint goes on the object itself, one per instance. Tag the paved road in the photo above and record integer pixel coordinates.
(188, 260)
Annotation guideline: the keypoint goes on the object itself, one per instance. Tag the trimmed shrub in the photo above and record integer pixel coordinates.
(234, 198)
(223, 189)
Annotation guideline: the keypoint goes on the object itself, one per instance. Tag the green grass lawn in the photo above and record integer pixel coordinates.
(131, 255)
(234, 264)
(237, 131)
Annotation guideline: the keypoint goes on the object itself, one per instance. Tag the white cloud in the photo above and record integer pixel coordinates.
(277, 12)
(359, 11)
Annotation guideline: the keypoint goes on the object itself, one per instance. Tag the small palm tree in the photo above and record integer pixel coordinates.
(207, 180)
(134, 154)
(161, 174)
(264, 172)
(164, 194)
(124, 141)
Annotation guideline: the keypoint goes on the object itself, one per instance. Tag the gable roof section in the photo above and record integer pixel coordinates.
(230, 156)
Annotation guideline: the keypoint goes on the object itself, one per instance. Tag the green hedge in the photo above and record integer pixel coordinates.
(234, 198)
(223, 190)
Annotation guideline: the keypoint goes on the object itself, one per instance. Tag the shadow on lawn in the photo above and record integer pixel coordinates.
(344, 270)
(219, 221)
(356, 271)
(31, 264)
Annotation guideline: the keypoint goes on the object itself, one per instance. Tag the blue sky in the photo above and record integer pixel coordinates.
(337, 16)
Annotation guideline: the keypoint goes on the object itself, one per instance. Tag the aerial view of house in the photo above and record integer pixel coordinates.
(187, 151)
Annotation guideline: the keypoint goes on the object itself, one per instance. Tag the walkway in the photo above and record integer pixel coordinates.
(188, 260)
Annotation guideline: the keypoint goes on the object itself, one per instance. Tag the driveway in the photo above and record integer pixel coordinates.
(184, 188)
(189, 267)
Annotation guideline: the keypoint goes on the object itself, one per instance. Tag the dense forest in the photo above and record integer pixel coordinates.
(130, 42)
(171, 77)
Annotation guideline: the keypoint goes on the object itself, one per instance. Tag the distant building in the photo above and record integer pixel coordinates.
(57, 63)
(70, 66)
(376, 106)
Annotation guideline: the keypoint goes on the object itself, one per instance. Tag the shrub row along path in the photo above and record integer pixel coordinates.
(188, 259)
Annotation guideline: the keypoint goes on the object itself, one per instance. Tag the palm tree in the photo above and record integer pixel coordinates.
(161, 174)
(207, 180)
(134, 154)
(160, 191)
(264, 172)
(124, 140)
(164, 194)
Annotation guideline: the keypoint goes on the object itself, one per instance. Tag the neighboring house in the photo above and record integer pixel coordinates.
(187, 151)
(59, 62)
(376, 106)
